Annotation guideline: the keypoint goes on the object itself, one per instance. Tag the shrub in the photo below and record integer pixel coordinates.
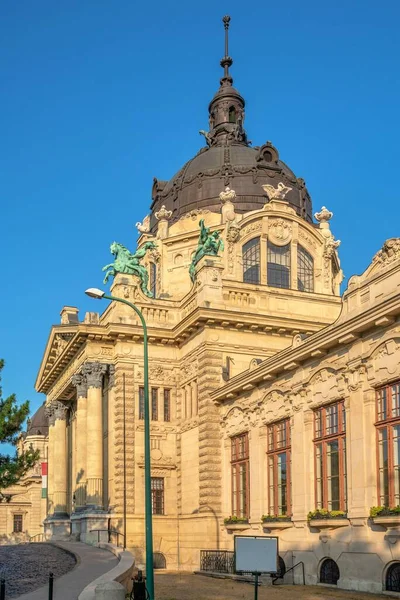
(270, 518)
(384, 511)
(322, 513)
(235, 519)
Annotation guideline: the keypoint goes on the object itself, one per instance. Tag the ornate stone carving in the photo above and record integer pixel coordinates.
(227, 195)
(330, 246)
(144, 227)
(277, 193)
(61, 341)
(324, 215)
(163, 214)
(79, 381)
(156, 372)
(49, 412)
(389, 252)
(233, 232)
(307, 239)
(280, 231)
(94, 372)
(59, 410)
(251, 228)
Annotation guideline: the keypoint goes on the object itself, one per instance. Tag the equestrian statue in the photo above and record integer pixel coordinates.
(209, 245)
(125, 262)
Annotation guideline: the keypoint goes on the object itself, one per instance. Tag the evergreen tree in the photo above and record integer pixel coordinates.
(12, 416)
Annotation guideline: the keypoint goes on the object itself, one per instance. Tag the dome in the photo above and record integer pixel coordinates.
(228, 160)
(198, 184)
(39, 424)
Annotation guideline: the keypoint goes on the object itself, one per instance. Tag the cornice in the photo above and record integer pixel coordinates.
(338, 335)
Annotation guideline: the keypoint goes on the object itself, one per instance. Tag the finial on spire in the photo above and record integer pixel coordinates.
(227, 61)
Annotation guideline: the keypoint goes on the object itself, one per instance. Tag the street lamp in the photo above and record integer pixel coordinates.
(99, 294)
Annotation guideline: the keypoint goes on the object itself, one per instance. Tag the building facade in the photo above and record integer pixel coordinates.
(264, 381)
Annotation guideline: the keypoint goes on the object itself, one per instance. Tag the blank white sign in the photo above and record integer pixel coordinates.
(256, 554)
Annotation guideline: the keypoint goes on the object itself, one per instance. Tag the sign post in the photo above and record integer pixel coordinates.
(256, 555)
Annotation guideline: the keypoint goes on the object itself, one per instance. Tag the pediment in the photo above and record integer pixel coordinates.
(60, 339)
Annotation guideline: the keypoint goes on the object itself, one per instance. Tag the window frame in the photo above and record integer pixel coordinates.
(308, 275)
(141, 403)
(21, 517)
(388, 422)
(323, 438)
(154, 404)
(157, 496)
(240, 456)
(256, 243)
(273, 267)
(273, 452)
(167, 404)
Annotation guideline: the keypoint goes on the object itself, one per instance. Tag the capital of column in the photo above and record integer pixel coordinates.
(49, 412)
(94, 372)
(79, 381)
(59, 410)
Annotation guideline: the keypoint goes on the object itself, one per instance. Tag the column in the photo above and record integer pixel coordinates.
(60, 460)
(50, 459)
(79, 476)
(94, 372)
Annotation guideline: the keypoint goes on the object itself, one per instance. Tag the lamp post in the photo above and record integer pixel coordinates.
(99, 294)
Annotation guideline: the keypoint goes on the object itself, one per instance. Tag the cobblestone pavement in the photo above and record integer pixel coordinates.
(185, 586)
(26, 567)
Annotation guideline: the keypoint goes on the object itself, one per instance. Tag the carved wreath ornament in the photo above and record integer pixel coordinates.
(280, 231)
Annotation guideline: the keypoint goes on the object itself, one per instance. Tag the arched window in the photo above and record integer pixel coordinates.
(329, 572)
(278, 268)
(159, 561)
(251, 261)
(305, 270)
(393, 578)
(232, 114)
(153, 279)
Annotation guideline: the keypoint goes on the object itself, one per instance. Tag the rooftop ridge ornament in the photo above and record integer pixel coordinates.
(227, 195)
(128, 263)
(226, 61)
(209, 244)
(277, 193)
(324, 215)
(163, 214)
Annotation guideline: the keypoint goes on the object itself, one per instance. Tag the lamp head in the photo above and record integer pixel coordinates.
(95, 293)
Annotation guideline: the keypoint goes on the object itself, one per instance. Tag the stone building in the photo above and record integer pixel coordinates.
(270, 393)
(23, 506)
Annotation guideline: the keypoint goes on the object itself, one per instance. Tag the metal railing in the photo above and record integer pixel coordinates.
(110, 533)
(40, 538)
(282, 575)
(3, 587)
(217, 561)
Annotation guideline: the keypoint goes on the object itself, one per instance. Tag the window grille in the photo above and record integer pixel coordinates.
(278, 268)
(17, 523)
(305, 270)
(154, 404)
(251, 261)
(329, 572)
(393, 578)
(157, 495)
(141, 403)
(167, 405)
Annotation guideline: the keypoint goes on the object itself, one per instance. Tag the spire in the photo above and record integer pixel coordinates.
(226, 109)
(226, 61)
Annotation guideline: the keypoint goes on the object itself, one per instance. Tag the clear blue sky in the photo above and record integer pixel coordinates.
(98, 97)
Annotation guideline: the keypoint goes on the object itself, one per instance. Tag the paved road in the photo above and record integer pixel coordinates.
(92, 562)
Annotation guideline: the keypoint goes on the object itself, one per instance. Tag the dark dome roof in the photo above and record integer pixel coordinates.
(228, 160)
(198, 184)
(39, 424)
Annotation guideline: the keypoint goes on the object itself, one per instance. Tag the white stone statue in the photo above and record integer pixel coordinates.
(227, 195)
(144, 227)
(163, 214)
(277, 193)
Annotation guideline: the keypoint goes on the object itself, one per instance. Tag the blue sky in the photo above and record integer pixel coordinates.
(98, 97)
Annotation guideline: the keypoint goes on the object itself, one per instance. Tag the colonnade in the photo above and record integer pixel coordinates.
(87, 475)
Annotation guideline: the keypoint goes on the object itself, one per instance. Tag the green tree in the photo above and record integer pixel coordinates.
(12, 416)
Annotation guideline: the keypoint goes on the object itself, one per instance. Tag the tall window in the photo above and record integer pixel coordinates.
(278, 269)
(388, 434)
(279, 467)
(251, 261)
(232, 114)
(153, 279)
(157, 495)
(167, 405)
(240, 475)
(330, 457)
(141, 403)
(17, 523)
(154, 404)
(305, 270)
